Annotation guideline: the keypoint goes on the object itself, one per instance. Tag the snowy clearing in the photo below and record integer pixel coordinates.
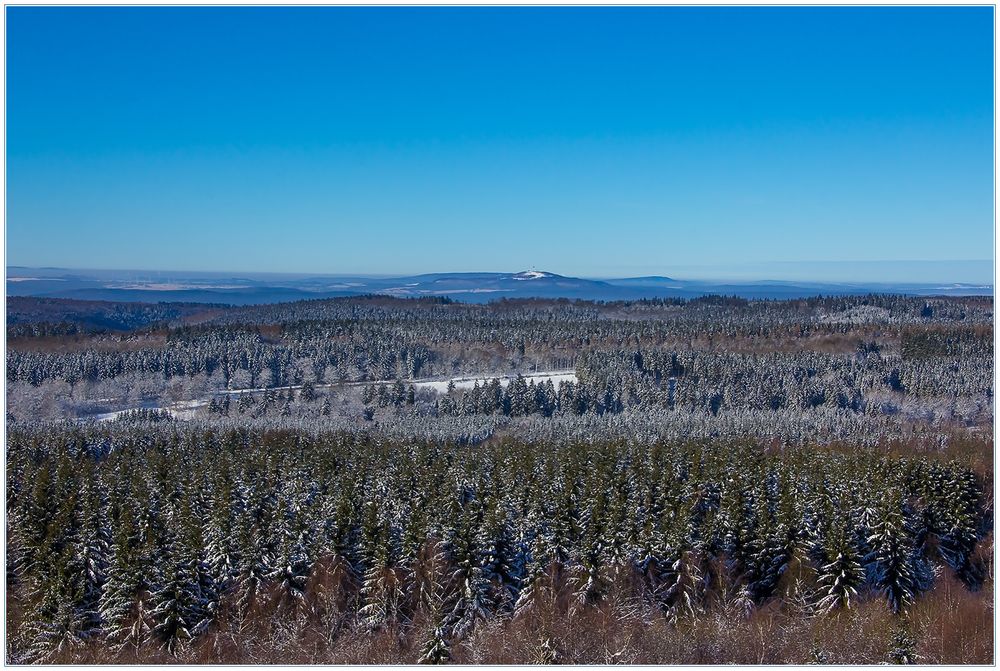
(184, 410)
(441, 386)
(180, 410)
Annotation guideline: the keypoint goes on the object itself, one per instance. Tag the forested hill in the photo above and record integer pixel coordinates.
(471, 287)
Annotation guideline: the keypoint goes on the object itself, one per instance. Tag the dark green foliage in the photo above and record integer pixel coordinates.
(437, 649)
(902, 647)
(895, 564)
(156, 539)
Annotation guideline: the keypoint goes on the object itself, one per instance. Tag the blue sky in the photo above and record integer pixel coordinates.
(585, 141)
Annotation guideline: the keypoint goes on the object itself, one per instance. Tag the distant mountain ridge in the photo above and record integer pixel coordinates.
(477, 287)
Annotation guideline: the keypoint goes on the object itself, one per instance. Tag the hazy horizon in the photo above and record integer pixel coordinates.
(971, 271)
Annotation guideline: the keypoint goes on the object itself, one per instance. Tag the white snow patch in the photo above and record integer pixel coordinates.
(441, 386)
(186, 410)
(860, 314)
(35, 279)
(108, 416)
(468, 291)
(965, 286)
(175, 286)
(182, 410)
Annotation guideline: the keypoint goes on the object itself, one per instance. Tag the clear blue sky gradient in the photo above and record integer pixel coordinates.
(585, 141)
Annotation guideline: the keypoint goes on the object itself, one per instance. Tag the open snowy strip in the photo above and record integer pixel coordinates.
(185, 410)
(180, 410)
(441, 386)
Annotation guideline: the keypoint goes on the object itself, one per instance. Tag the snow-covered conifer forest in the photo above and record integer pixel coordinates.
(381, 480)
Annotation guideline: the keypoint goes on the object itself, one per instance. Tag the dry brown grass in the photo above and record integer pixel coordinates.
(949, 624)
(952, 624)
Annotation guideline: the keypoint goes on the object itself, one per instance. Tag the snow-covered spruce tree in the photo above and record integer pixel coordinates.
(65, 590)
(895, 565)
(902, 646)
(123, 606)
(536, 584)
(839, 571)
(381, 582)
(41, 512)
(773, 547)
(650, 550)
(341, 533)
(498, 556)
(89, 549)
(197, 548)
(437, 648)
(739, 541)
(682, 584)
(184, 599)
(588, 580)
(295, 555)
(132, 568)
(228, 512)
(425, 575)
(958, 504)
(619, 530)
(468, 596)
(256, 541)
(817, 655)
(57, 623)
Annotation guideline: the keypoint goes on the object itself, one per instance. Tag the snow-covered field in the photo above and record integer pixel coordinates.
(187, 409)
(440, 386)
(556, 376)
(178, 410)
